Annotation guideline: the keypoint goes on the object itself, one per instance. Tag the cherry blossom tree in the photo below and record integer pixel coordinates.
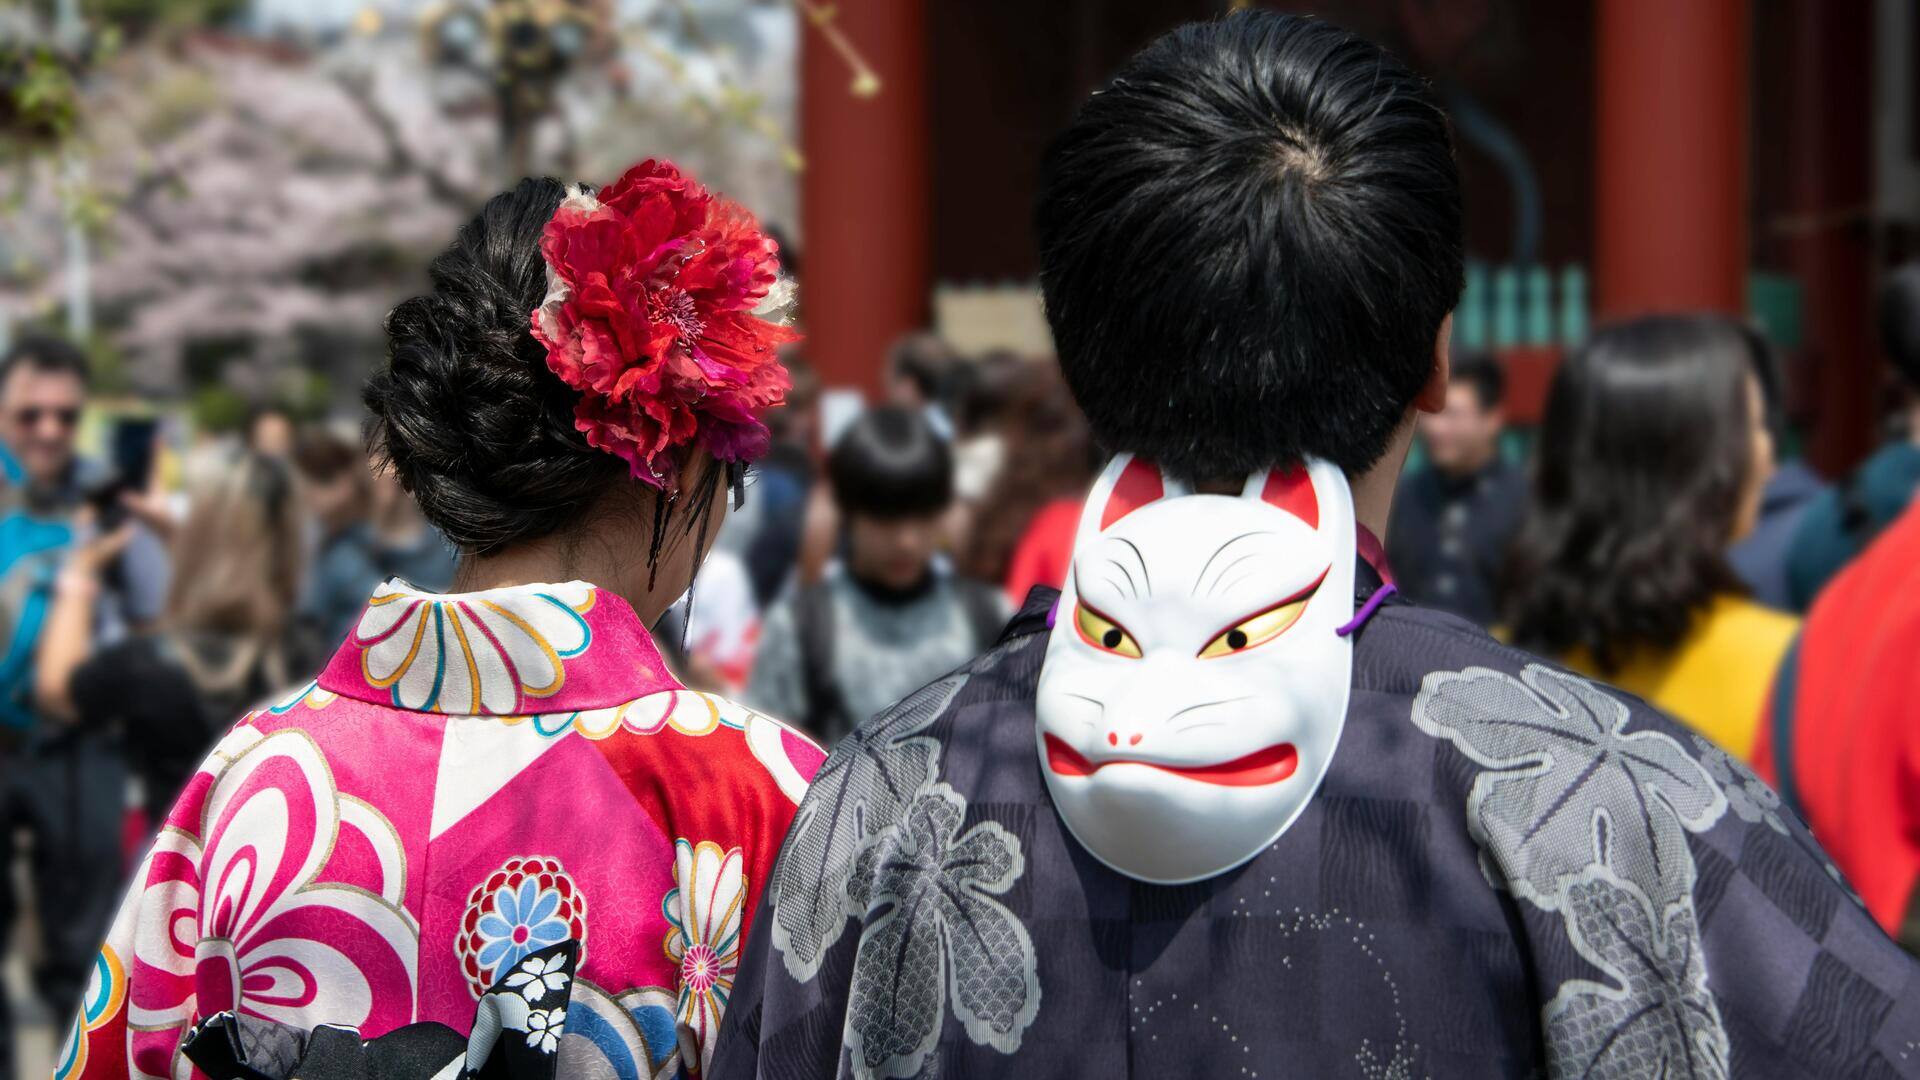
(265, 200)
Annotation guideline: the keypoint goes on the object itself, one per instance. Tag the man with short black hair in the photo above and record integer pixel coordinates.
(43, 387)
(1453, 519)
(1225, 807)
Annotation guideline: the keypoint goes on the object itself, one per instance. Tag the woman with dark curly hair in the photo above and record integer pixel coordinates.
(495, 810)
(1652, 456)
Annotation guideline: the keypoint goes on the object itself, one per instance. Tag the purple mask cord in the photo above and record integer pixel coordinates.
(1367, 609)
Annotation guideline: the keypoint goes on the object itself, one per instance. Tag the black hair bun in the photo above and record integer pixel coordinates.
(465, 411)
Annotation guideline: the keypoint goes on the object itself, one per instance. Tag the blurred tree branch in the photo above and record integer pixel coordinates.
(401, 159)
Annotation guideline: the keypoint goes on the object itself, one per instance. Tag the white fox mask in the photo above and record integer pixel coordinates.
(1195, 685)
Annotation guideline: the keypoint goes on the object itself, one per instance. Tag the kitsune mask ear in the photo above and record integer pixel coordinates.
(1289, 489)
(1141, 483)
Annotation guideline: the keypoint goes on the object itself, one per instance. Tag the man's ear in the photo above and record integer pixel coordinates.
(1433, 396)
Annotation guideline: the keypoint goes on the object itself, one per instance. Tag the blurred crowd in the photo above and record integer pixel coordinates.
(1650, 531)
(1647, 532)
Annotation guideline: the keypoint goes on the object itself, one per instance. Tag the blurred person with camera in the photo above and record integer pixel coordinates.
(1454, 519)
(64, 786)
(495, 812)
(227, 641)
(1653, 454)
(890, 613)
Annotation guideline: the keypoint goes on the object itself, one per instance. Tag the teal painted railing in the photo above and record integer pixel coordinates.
(1507, 306)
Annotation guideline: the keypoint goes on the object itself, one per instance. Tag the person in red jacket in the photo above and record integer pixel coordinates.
(1840, 742)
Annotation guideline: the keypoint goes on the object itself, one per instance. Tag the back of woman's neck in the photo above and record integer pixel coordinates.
(523, 564)
(613, 566)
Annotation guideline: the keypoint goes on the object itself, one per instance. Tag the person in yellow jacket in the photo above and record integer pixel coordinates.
(1652, 455)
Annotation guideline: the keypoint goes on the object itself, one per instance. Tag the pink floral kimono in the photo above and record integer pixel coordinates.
(472, 779)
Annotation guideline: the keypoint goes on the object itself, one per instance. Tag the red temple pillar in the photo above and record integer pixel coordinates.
(1670, 115)
(864, 275)
(1826, 236)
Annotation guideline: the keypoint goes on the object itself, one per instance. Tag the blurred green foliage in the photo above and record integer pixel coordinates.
(39, 97)
(218, 407)
(150, 16)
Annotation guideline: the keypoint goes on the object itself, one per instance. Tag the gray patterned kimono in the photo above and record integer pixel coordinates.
(1509, 871)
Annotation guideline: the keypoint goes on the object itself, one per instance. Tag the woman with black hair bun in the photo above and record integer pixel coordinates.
(1652, 456)
(495, 810)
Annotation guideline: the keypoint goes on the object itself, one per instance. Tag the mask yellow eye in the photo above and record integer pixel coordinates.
(1103, 633)
(1258, 629)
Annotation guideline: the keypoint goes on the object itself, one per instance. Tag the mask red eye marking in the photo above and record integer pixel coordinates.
(1103, 633)
(1262, 626)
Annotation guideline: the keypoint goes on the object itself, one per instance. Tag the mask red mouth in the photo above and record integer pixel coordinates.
(1268, 766)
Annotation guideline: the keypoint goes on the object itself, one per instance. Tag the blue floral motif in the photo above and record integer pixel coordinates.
(522, 921)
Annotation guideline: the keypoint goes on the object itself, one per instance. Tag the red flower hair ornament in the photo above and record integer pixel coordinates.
(663, 309)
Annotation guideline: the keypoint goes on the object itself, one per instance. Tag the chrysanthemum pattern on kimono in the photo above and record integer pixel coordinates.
(473, 779)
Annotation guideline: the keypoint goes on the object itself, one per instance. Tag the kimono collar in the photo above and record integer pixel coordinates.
(500, 652)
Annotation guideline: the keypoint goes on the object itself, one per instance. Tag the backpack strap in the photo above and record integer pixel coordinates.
(1786, 686)
(826, 706)
(982, 605)
(1858, 525)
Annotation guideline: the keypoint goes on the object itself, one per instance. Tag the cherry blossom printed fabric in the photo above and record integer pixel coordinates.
(472, 780)
(1508, 871)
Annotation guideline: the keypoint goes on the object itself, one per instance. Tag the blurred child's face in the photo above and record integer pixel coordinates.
(905, 393)
(893, 552)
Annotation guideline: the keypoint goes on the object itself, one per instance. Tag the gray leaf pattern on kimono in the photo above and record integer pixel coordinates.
(935, 927)
(864, 786)
(1565, 787)
(1655, 1015)
(1748, 796)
